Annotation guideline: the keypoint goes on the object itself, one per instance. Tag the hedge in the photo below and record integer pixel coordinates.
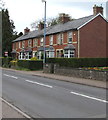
(79, 62)
(31, 65)
(5, 62)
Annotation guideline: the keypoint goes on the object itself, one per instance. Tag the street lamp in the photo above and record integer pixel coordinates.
(44, 32)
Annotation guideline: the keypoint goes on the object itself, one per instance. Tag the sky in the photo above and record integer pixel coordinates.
(25, 12)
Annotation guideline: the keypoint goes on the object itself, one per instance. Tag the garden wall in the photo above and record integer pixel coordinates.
(75, 72)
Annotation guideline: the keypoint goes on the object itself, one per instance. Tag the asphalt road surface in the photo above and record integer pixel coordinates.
(48, 98)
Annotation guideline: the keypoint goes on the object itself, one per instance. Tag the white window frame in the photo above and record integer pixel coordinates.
(29, 43)
(35, 42)
(51, 40)
(60, 39)
(23, 44)
(41, 42)
(50, 54)
(70, 34)
(69, 53)
(34, 53)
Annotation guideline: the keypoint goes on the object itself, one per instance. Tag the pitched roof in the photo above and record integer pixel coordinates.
(62, 27)
(71, 25)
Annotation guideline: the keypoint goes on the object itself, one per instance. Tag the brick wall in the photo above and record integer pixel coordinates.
(93, 38)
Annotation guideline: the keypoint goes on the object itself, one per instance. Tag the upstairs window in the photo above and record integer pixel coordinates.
(41, 42)
(23, 44)
(60, 39)
(29, 43)
(51, 40)
(35, 42)
(69, 37)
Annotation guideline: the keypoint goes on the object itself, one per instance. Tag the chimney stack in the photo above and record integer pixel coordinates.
(26, 30)
(64, 18)
(41, 25)
(97, 9)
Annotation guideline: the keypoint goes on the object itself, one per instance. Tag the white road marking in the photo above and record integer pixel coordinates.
(86, 96)
(39, 83)
(15, 108)
(11, 76)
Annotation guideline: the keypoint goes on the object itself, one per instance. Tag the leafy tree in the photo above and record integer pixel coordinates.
(8, 33)
(50, 22)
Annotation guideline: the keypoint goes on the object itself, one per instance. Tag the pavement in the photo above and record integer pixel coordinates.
(9, 111)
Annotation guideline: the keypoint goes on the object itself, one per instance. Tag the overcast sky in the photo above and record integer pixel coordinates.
(25, 12)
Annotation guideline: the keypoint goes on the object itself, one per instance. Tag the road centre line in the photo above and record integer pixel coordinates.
(86, 96)
(49, 86)
(39, 83)
(11, 76)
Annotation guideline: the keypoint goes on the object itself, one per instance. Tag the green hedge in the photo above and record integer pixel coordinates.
(79, 62)
(31, 65)
(5, 62)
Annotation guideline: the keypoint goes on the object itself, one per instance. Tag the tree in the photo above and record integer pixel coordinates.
(8, 33)
(50, 22)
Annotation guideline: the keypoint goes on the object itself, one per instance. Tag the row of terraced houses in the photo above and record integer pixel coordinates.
(83, 37)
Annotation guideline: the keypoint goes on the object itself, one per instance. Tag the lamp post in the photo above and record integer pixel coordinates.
(44, 32)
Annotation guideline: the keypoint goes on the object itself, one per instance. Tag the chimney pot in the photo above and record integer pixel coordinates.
(26, 30)
(64, 17)
(97, 9)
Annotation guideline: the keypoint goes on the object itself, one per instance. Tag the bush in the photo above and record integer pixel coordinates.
(79, 62)
(14, 63)
(30, 64)
(33, 58)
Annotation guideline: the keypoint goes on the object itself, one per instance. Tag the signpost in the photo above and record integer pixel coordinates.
(6, 54)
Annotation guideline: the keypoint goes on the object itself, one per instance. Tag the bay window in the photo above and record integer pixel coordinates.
(69, 53)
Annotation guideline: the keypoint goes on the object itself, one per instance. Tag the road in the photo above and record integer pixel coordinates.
(48, 98)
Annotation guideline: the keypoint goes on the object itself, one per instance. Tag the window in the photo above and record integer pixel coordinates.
(50, 54)
(59, 53)
(35, 42)
(35, 54)
(51, 40)
(41, 41)
(23, 44)
(25, 55)
(60, 39)
(69, 37)
(40, 55)
(69, 53)
(29, 43)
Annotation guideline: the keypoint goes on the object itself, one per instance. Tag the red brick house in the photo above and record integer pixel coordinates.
(83, 37)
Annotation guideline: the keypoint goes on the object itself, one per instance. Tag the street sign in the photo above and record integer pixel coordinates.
(6, 54)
